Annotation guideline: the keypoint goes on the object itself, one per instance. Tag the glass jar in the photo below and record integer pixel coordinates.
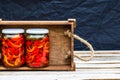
(13, 47)
(37, 47)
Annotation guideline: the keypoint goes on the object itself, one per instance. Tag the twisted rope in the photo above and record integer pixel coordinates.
(69, 34)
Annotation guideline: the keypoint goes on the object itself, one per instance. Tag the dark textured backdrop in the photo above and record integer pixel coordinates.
(98, 21)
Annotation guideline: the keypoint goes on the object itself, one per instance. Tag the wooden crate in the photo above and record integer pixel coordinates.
(60, 44)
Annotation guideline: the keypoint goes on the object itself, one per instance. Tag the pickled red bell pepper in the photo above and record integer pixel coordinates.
(37, 52)
(13, 50)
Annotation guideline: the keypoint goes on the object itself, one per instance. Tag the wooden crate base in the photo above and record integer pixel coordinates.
(49, 68)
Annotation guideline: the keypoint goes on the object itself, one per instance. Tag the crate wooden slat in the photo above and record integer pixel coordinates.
(49, 68)
(35, 23)
(59, 43)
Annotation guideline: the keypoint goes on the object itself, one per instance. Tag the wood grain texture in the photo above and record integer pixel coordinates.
(49, 68)
(109, 72)
(34, 23)
(59, 43)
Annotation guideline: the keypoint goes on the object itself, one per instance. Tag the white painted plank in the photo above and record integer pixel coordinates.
(97, 62)
(102, 59)
(98, 66)
(60, 77)
(78, 71)
(105, 60)
(99, 55)
(101, 51)
(103, 66)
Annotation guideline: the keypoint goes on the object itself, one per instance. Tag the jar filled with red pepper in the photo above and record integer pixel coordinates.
(13, 47)
(37, 47)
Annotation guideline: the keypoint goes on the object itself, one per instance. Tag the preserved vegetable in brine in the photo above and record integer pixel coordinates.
(13, 47)
(37, 48)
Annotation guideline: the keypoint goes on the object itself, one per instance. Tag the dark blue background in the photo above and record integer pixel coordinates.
(98, 21)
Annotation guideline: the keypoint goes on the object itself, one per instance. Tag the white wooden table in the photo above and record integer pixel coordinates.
(105, 65)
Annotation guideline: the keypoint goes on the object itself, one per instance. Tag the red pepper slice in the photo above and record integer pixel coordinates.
(29, 49)
(14, 45)
(29, 58)
(19, 61)
(7, 62)
(28, 43)
(35, 64)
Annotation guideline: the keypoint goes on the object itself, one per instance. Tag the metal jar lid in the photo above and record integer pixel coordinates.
(12, 31)
(37, 31)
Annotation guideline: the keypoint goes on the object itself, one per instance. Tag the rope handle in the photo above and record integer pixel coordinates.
(69, 34)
